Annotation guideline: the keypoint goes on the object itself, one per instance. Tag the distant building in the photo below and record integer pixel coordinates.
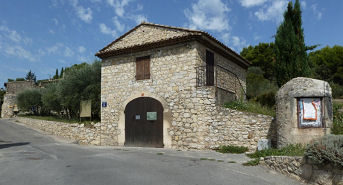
(12, 90)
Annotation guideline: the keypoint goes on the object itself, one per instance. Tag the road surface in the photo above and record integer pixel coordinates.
(28, 157)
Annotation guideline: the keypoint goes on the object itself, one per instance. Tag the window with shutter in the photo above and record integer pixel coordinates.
(143, 68)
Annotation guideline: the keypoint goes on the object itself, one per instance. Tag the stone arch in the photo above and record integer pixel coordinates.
(167, 118)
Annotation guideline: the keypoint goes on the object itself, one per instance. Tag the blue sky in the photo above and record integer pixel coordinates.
(43, 35)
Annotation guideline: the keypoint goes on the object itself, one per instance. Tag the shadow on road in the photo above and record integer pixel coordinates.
(2, 146)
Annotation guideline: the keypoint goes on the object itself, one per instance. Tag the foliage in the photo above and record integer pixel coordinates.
(253, 162)
(328, 150)
(267, 98)
(289, 150)
(19, 79)
(337, 90)
(250, 106)
(290, 49)
(62, 72)
(80, 82)
(10, 80)
(31, 76)
(262, 56)
(56, 76)
(337, 127)
(51, 99)
(30, 100)
(232, 149)
(59, 119)
(257, 85)
(328, 64)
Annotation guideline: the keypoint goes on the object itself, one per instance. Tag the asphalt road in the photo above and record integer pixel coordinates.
(28, 157)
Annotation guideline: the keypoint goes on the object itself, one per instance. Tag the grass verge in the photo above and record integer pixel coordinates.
(232, 149)
(290, 150)
(250, 106)
(57, 119)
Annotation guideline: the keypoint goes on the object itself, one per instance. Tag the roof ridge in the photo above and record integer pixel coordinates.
(171, 27)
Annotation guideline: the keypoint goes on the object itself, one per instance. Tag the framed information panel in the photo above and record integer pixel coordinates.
(309, 112)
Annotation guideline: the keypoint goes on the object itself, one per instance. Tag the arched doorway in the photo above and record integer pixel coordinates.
(144, 123)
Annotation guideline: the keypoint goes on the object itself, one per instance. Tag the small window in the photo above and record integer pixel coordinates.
(209, 68)
(143, 68)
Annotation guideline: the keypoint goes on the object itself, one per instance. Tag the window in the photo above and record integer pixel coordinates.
(209, 68)
(143, 68)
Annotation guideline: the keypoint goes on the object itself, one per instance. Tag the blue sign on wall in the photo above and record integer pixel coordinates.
(104, 104)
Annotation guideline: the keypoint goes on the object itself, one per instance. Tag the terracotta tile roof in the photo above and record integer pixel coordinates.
(179, 35)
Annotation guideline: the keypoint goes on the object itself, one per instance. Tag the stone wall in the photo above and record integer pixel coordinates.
(16, 87)
(301, 169)
(82, 134)
(12, 89)
(8, 105)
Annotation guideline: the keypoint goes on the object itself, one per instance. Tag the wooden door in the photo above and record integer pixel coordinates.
(144, 123)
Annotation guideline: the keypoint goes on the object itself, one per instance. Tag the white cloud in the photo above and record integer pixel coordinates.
(140, 18)
(119, 26)
(251, 3)
(20, 52)
(238, 43)
(68, 52)
(54, 49)
(81, 49)
(273, 11)
(316, 12)
(303, 4)
(208, 15)
(85, 14)
(119, 6)
(106, 30)
(55, 21)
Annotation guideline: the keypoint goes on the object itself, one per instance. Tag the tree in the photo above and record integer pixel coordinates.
(30, 76)
(290, 49)
(62, 71)
(262, 56)
(30, 100)
(50, 98)
(56, 76)
(80, 82)
(328, 64)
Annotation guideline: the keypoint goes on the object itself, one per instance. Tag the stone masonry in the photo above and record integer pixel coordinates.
(288, 130)
(12, 89)
(193, 118)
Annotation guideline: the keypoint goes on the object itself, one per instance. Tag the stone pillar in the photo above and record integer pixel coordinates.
(303, 111)
(8, 105)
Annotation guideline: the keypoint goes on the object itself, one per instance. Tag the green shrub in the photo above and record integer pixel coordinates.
(250, 106)
(327, 150)
(267, 98)
(30, 100)
(10, 80)
(289, 150)
(337, 90)
(19, 79)
(253, 162)
(232, 149)
(337, 119)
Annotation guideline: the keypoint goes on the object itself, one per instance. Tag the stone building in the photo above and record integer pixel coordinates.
(163, 86)
(12, 89)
